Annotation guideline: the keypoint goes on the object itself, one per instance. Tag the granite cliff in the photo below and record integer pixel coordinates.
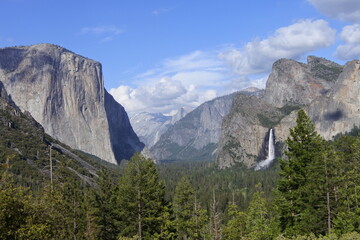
(244, 131)
(150, 126)
(195, 136)
(328, 91)
(295, 83)
(65, 93)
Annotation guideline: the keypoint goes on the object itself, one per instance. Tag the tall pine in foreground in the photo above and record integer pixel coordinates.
(297, 203)
(101, 217)
(141, 200)
(347, 189)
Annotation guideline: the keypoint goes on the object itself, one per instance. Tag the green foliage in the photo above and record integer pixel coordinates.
(318, 194)
(304, 147)
(269, 121)
(287, 109)
(190, 218)
(102, 214)
(347, 190)
(141, 199)
(260, 224)
(235, 228)
(329, 73)
(184, 205)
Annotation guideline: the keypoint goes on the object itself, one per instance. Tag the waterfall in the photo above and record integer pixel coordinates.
(271, 153)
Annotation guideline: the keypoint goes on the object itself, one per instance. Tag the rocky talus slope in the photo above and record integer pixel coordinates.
(65, 93)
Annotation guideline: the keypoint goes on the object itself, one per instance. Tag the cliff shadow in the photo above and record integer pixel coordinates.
(124, 141)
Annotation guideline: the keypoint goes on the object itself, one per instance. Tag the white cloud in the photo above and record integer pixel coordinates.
(107, 33)
(187, 80)
(164, 96)
(200, 76)
(345, 10)
(287, 42)
(351, 49)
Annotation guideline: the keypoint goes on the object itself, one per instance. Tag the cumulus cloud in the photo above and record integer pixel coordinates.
(200, 76)
(187, 80)
(164, 96)
(344, 10)
(287, 42)
(351, 49)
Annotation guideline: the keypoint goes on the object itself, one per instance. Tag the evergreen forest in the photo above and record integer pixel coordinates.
(313, 192)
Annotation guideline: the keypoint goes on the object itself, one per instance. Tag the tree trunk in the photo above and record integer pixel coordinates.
(327, 196)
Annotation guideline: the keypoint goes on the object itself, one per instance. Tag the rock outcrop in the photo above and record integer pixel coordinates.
(327, 91)
(244, 130)
(65, 93)
(194, 137)
(339, 110)
(295, 83)
(150, 126)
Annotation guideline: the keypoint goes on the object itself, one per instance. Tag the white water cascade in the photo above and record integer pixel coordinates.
(271, 153)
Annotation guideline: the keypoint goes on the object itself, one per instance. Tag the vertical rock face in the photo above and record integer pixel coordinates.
(244, 131)
(339, 111)
(124, 140)
(3, 94)
(65, 93)
(194, 137)
(294, 83)
(328, 92)
(5, 99)
(150, 126)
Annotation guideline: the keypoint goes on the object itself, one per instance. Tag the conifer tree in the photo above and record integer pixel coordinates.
(347, 189)
(235, 228)
(260, 224)
(305, 147)
(102, 211)
(184, 205)
(140, 199)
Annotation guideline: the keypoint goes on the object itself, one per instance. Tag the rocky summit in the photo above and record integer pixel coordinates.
(327, 91)
(65, 93)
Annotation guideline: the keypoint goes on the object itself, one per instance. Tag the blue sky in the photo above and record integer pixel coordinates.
(160, 55)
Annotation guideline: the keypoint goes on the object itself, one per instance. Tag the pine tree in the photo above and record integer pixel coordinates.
(235, 228)
(347, 189)
(260, 225)
(184, 205)
(305, 146)
(140, 199)
(101, 215)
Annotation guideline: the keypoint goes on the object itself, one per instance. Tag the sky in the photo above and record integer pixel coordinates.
(160, 55)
